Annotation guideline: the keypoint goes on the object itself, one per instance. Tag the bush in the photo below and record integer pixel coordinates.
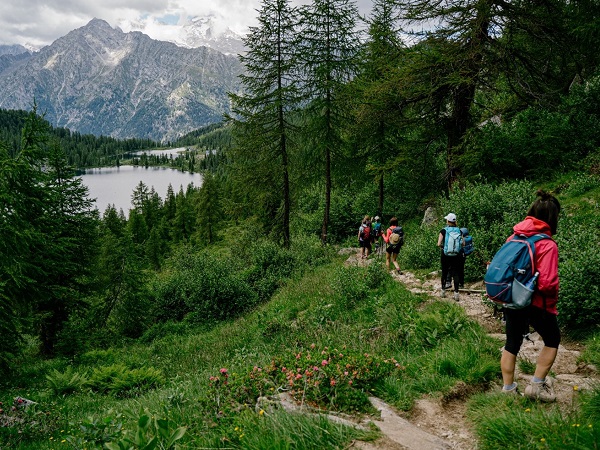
(120, 381)
(67, 382)
(579, 271)
(202, 287)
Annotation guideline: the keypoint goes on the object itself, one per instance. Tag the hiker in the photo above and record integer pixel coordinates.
(450, 242)
(394, 238)
(364, 237)
(377, 233)
(465, 251)
(542, 217)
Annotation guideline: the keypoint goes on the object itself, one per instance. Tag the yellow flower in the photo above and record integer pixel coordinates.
(241, 435)
(236, 429)
(64, 440)
(542, 440)
(575, 388)
(528, 410)
(261, 412)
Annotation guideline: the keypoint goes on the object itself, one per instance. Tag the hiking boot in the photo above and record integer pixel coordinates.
(456, 296)
(542, 391)
(443, 293)
(513, 391)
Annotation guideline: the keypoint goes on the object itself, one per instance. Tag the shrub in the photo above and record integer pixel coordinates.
(579, 271)
(120, 381)
(67, 382)
(202, 287)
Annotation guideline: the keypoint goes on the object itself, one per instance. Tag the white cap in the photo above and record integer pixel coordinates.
(451, 217)
(376, 218)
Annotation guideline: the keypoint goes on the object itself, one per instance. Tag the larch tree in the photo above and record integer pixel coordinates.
(262, 115)
(373, 94)
(328, 50)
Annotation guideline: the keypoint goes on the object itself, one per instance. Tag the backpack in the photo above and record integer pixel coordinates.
(376, 229)
(468, 247)
(365, 234)
(396, 239)
(453, 241)
(511, 276)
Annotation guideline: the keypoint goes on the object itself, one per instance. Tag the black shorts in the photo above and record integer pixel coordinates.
(365, 244)
(518, 322)
(395, 249)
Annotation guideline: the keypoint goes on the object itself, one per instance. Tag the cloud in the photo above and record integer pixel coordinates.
(41, 22)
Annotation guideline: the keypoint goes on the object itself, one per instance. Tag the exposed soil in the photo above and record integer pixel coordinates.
(436, 423)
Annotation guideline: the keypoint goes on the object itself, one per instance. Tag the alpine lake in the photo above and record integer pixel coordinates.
(115, 185)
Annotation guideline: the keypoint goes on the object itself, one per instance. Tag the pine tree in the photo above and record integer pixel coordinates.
(328, 52)
(263, 128)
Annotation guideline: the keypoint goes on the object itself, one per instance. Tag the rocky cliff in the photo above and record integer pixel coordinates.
(101, 81)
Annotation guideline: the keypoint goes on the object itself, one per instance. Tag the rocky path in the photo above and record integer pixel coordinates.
(433, 424)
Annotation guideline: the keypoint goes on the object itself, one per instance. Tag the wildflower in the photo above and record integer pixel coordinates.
(528, 410)
(575, 388)
(64, 440)
(223, 370)
(298, 376)
(346, 373)
(312, 345)
(350, 383)
(241, 435)
(332, 382)
(542, 440)
(299, 355)
(236, 429)
(261, 412)
(324, 362)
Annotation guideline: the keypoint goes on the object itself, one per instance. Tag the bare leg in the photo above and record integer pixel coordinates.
(387, 260)
(544, 361)
(394, 257)
(507, 365)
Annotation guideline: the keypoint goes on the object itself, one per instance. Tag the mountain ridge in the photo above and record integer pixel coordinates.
(99, 80)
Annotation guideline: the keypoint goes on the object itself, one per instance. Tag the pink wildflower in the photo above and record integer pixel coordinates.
(324, 362)
(312, 345)
(223, 370)
(332, 382)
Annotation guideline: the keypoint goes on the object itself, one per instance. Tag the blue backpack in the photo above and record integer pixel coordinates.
(469, 247)
(511, 276)
(452, 241)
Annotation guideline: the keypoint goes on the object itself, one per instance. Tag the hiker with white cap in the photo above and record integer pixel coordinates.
(450, 240)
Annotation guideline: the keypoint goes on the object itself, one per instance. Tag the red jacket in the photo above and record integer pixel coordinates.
(546, 262)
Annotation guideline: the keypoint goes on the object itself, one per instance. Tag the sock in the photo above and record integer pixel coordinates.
(508, 387)
(538, 380)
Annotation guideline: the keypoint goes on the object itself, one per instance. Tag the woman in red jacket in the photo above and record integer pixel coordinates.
(542, 217)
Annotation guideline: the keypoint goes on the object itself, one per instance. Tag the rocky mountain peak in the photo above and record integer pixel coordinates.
(99, 80)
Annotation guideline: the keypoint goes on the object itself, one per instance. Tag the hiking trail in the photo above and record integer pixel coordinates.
(441, 423)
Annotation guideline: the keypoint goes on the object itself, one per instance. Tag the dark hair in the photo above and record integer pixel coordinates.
(546, 208)
(394, 221)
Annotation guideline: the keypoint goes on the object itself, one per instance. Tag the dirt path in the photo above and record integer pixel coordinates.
(445, 422)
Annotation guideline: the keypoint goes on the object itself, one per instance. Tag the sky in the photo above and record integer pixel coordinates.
(36, 23)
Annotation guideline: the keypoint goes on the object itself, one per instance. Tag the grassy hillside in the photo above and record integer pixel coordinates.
(330, 336)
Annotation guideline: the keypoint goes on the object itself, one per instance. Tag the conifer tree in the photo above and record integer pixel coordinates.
(263, 128)
(328, 52)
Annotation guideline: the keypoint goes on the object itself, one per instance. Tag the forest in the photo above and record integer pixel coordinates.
(466, 106)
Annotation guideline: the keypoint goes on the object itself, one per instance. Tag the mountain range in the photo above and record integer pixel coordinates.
(99, 80)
